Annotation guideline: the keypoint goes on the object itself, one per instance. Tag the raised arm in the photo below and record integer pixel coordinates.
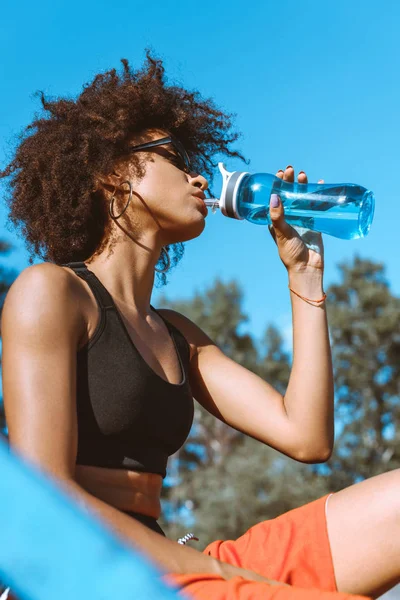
(42, 325)
(300, 423)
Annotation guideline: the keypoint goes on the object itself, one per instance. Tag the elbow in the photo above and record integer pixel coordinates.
(314, 455)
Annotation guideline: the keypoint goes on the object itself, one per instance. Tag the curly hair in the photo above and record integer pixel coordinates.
(52, 193)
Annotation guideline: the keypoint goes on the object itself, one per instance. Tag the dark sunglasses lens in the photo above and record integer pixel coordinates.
(183, 154)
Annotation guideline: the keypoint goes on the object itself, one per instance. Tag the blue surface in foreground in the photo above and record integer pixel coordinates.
(50, 548)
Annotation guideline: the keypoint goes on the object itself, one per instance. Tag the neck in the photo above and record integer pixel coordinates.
(127, 271)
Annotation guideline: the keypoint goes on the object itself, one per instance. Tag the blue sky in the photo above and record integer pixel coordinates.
(314, 84)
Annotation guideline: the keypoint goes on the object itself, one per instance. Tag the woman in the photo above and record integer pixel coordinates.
(98, 385)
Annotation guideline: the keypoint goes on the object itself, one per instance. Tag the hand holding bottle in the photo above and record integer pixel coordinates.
(299, 249)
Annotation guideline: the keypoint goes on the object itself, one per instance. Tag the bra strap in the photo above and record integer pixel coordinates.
(102, 295)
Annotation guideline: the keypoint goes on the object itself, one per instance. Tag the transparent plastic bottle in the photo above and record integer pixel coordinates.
(343, 210)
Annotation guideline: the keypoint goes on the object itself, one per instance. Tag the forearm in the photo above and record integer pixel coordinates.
(309, 396)
(169, 556)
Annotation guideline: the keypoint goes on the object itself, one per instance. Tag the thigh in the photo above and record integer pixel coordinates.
(293, 548)
(203, 586)
(363, 524)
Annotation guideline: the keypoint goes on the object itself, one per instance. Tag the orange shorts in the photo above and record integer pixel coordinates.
(293, 548)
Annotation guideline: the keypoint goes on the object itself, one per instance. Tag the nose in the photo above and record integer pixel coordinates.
(199, 181)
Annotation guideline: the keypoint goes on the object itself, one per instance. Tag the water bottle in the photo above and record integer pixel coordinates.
(343, 210)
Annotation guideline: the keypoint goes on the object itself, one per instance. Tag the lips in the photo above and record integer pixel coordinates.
(201, 203)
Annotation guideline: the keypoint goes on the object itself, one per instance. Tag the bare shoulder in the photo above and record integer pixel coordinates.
(196, 337)
(45, 282)
(43, 294)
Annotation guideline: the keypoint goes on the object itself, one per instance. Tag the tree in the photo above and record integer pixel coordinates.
(275, 366)
(251, 484)
(364, 322)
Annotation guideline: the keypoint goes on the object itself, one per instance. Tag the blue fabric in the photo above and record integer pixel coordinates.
(51, 548)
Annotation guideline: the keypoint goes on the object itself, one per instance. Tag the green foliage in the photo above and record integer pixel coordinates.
(364, 322)
(275, 367)
(219, 313)
(250, 484)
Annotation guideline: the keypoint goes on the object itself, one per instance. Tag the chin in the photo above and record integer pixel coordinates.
(190, 231)
(196, 229)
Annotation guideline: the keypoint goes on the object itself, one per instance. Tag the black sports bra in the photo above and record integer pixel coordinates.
(128, 416)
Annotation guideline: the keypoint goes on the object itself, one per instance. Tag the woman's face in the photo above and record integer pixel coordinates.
(167, 200)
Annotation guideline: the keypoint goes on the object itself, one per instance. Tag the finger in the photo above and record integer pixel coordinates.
(276, 212)
(302, 177)
(289, 173)
(280, 174)
(272, 232)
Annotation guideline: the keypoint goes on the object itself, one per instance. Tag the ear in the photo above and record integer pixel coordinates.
(109, 182)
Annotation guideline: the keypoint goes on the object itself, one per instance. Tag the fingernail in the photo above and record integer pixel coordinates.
(289, 167)
(274, 201)
(300, 172)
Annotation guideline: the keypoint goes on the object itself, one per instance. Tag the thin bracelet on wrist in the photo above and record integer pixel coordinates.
(309, 300)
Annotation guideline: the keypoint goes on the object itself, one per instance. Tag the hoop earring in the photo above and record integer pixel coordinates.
(168, 259)
(111, 206)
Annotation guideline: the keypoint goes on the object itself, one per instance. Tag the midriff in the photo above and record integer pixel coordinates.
(125, 490)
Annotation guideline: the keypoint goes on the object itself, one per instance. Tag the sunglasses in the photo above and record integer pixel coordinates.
(179, 148)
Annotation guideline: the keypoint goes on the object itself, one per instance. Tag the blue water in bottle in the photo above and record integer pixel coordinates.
(343, 210)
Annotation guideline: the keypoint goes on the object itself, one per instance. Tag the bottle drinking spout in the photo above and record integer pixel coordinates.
(212, 203)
